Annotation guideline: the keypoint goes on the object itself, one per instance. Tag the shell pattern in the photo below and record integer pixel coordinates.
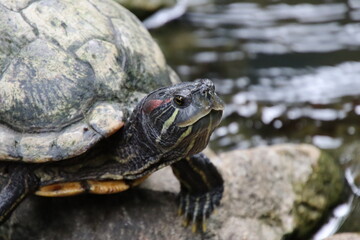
(70, 72)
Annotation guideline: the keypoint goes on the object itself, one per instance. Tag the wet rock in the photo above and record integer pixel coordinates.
(285, 189)
(270, 192)
(345, 236)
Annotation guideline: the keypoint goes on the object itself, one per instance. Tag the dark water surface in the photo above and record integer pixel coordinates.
(289, 71)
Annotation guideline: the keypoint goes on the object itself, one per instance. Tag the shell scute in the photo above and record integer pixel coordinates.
(36, 148)
(8, 142)
(75, 140)
(103, 120)
(108, 125)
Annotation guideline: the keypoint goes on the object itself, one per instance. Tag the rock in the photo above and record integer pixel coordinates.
(269, 192)
(285, 189)
(345, 236)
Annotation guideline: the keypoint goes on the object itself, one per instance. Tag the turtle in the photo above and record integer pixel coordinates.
(89, 105)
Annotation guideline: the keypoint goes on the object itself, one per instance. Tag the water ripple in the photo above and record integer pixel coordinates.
(251, 14)
(325, 85)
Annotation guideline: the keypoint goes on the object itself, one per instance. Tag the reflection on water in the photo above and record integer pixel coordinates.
(323, 85)
(288, 70)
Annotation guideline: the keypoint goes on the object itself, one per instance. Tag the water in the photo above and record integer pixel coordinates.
(289, 71)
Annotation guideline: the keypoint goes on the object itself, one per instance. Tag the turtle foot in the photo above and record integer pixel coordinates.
(196, 209)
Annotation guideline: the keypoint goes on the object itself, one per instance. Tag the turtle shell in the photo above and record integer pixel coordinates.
(70, 72)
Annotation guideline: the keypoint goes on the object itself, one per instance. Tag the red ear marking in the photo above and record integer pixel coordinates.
(152, 104)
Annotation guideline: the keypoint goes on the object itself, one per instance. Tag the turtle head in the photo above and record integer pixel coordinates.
(182, 117)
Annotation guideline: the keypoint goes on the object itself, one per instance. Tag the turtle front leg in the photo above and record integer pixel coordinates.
(21, 182)
(201, 189)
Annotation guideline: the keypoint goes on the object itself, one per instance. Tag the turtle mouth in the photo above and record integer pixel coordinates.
(209, 121)
(212, 119)
(216, 112)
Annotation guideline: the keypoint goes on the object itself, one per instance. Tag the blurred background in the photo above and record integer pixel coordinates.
(289, 71)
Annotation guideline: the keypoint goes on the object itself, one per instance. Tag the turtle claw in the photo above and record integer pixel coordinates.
(197, 208)
(199, 226)
(201, 190)
(203, 227)
(194, 228)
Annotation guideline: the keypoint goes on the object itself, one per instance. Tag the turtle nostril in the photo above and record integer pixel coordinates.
(206, 86)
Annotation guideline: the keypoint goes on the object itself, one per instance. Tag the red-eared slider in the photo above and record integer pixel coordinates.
(71, 119)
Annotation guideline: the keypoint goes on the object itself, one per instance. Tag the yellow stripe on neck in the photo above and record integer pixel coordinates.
(167, 124)
(170, 121)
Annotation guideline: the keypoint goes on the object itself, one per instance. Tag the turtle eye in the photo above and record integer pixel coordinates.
(179, 100)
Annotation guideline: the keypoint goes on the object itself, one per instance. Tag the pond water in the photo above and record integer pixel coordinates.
(289, 71)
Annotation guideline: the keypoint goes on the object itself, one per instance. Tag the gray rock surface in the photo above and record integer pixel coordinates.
(269, 192)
